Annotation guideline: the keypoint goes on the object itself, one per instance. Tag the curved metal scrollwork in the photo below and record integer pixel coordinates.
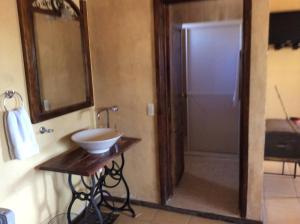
(59, 7)
(115, 174)
(97, 192)
(89, 196)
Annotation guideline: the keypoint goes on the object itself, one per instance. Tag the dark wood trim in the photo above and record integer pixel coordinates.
(37, 113)
(179, 1)
(163, 99)
(245, 102)
(55, 113)
(206, 215)
(32, 82)
(86, 52)
(163, 103)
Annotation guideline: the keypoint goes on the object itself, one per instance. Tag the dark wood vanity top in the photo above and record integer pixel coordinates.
(80, 162)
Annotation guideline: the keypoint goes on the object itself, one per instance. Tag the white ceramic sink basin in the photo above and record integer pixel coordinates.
(97, 141)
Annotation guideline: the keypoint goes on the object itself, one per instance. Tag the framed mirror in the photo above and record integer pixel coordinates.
(56, 57)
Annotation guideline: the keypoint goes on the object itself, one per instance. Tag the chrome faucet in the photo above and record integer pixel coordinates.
(107, 110)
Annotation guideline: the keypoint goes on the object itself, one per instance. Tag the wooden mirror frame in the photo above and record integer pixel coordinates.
(25, 11)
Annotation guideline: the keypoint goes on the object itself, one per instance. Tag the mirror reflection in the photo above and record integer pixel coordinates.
(59, 61)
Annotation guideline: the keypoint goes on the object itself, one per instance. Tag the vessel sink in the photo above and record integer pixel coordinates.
(97, 141)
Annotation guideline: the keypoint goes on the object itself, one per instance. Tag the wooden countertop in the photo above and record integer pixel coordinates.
(80, 162)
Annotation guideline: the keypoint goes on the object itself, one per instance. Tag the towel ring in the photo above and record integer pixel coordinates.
(10, 94)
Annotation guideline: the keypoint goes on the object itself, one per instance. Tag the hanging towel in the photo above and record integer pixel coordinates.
(19, 133)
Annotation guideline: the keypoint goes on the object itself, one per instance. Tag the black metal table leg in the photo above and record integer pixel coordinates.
(116, 174)
(127, 202)
(72, 200)
(90, 197)
(93, 201)
(283, 166)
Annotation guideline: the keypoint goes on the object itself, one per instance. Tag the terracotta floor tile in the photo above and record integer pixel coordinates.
(282, 211)
(215, 191)
(144, 213)
(291, 167)
(124, 219)
(297, 186)
(164, 217)
(277, 186)
(274, 167)
(196, 220)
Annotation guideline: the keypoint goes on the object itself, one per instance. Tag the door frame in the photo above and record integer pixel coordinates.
(161, 27)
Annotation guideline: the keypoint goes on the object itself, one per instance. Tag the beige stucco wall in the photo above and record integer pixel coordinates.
(286, 5)
(122, 48)
(260, 21)
(122, 40)
(283, 71)
(33, 195)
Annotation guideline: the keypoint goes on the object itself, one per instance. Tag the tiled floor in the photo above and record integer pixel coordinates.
(154, 216)
(216, 191)
(281, 195)
(209, 184)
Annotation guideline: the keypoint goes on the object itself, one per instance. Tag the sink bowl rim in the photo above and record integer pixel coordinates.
(117, 136)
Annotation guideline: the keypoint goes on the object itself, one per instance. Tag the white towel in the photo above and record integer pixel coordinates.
(20, 136)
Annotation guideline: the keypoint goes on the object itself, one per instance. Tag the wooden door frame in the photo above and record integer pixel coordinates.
(161, 25)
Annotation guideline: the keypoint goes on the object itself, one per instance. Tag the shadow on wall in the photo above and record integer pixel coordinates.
(3, 142)
(58, 180)
(43, 186)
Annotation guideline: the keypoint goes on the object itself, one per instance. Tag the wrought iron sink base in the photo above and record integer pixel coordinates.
(97, 193)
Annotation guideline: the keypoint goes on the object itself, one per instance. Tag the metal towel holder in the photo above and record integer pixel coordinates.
(11, 94)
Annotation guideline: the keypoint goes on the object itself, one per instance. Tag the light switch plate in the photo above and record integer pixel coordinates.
(150, 109)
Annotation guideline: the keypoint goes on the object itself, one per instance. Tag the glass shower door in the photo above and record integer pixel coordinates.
(212, 63)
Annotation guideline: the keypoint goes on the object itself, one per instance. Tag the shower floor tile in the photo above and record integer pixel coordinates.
(209, 184)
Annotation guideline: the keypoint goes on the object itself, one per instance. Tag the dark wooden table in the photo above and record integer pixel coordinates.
(97, 168)
(282, 142)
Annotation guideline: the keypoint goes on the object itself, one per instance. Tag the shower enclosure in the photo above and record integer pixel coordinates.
(212, 55)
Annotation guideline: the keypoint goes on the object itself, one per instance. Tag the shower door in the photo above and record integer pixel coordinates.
(178, 104)
(212, 68)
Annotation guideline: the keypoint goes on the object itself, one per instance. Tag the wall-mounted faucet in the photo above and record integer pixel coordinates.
(107, 110)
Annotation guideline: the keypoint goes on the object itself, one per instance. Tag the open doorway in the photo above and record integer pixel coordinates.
(203, 58)
(205, 114)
